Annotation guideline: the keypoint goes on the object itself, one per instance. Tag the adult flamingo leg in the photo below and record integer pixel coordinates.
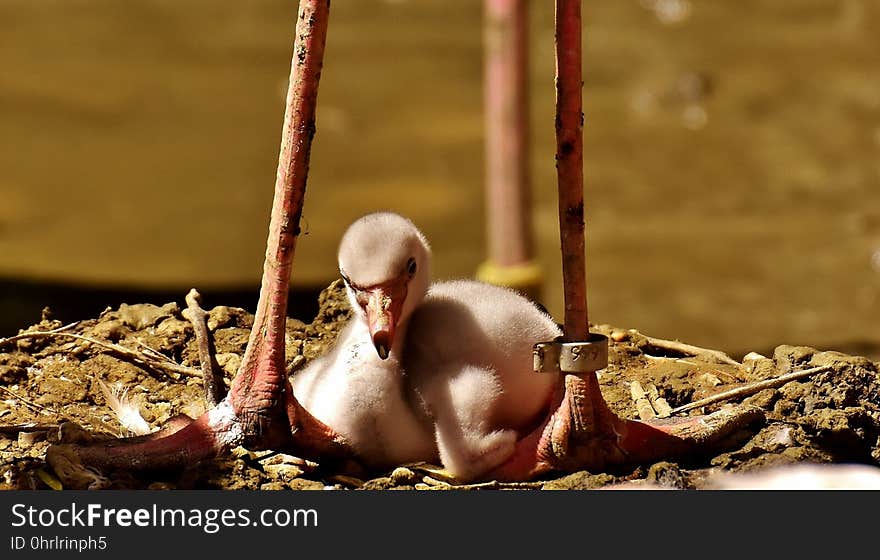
(581, 432)
(260, 410)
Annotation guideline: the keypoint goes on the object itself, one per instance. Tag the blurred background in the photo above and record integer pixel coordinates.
(732, 156)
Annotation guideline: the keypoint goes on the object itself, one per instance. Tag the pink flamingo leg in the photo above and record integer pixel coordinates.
(581, 432)
(260, 410)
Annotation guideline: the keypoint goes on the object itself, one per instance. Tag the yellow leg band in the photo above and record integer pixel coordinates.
(525, 277)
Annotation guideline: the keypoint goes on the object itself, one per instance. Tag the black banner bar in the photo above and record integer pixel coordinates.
(415, 523)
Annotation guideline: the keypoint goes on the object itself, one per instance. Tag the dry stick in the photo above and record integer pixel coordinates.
(13, 429)
(212, 381)
(153, 353)
(29, 334)
(160, 361)
(435, 484)
(691, 350)
(31, 404)
(644, 407)
(170, 368)
(751, 388)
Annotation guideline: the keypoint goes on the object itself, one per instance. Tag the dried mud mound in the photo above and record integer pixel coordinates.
(148, 354)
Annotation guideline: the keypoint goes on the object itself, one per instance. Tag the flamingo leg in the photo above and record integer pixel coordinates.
(582, 433)
(260, 410)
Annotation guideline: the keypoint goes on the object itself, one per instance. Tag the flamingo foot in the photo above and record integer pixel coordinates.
(80, 462)
(582, 433)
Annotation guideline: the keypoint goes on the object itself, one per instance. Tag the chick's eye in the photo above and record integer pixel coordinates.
(411, 267)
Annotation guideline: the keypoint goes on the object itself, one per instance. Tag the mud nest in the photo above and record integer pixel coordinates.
(147, 354)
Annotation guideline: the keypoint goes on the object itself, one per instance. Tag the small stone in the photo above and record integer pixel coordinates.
(781, 436)
(666, 475)
(581, 480)
(643, 405)
(663, 408)
(158, 412)
(790, 358)
(282, 459)
(112, 330)
(27, 439)
(619, 336)
(174, 328)
(763, 399)
(11, 374)
(144, 315)
(710, 379)
(381, 483)
(838, 359)
(283, 472)
(758, 366)
(55, 391)
(193, 409)
(305, 484)
(230, 363)
(243, 453)
(218, 317)
(223, 316)
(403, 475)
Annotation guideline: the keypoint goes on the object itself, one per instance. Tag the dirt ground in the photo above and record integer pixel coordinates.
(47, 380)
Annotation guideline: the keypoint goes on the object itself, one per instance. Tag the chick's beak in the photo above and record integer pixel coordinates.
(383, 312)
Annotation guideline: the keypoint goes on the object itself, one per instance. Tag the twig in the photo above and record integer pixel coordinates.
(212, 380)
(503, 485)
(152, 352)
(751, 388)
(31, 404)
(640, 398)
(491, 485)
(690, 350)
(29, 334)
(660, 405)
(170, 368)
(13, 429)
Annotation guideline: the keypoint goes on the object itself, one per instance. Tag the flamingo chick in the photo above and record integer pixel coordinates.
(443, 372)
(358, 388)
(426, 372)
